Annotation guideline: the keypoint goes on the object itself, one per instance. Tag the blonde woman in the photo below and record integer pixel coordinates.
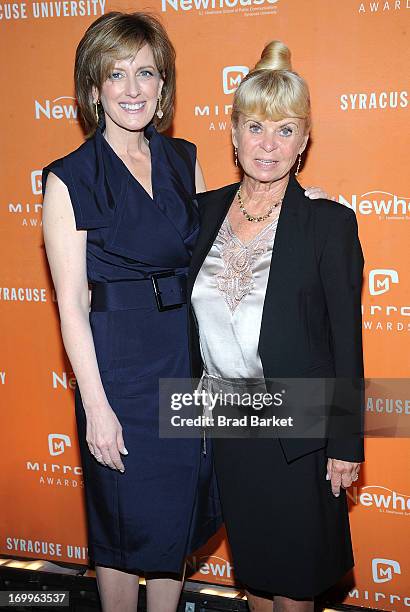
(276, 283)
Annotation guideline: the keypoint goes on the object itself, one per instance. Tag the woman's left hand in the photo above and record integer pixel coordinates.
(317, 193)
(341, 474)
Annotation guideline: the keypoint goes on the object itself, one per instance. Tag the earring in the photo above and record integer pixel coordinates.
(96, 111)
(236, 157)
(160, 113)
(299, 162)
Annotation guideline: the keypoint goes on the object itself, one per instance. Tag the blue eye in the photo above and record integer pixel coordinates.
(115, 76)
(146, 73)
(255, 128)
(285, 130)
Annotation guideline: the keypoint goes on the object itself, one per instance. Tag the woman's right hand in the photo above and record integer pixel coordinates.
(104, 437)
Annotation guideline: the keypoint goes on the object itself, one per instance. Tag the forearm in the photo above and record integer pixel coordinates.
(66, 249)
(104, 432)
(79, 346)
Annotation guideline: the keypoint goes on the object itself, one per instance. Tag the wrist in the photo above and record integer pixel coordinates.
(94, 403)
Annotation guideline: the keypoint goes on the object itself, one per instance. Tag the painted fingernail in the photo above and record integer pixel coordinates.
(327, 477)
(124, 451)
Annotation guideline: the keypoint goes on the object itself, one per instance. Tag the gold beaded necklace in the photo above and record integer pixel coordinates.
(252, 218)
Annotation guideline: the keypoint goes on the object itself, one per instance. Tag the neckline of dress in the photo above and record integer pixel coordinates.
(117, 157)
(246, 245)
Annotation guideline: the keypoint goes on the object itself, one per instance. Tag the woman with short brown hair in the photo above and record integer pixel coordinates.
(119, 214)
(117, 36)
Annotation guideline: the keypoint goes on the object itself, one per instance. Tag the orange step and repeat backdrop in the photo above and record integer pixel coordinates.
(355, 57)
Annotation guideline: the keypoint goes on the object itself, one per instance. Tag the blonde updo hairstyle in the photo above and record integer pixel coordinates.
(272, 90)
(116, 36)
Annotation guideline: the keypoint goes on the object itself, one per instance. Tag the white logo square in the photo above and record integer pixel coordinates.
(384, 569)
(380, 280)
(232, 77)
(36, 182)
(57, 443)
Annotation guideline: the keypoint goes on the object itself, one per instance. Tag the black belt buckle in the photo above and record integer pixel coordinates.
(157, 292)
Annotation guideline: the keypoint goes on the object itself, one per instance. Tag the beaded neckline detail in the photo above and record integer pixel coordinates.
(236, 280)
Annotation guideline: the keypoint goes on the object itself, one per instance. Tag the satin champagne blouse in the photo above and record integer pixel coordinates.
(228, 298)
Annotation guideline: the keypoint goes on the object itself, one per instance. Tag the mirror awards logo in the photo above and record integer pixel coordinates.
(217, 114)
(58, 471)
(389, 314)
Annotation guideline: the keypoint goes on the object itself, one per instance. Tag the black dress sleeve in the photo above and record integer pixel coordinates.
(84, 173)
(341, 270)
(60, 169)
(187, 151)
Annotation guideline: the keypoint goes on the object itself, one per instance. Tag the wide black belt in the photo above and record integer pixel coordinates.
(166, 290)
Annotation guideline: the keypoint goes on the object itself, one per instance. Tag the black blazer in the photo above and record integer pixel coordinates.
(311, 323)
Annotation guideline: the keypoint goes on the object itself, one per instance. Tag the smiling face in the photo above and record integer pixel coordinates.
(267, 150)
(130, 94)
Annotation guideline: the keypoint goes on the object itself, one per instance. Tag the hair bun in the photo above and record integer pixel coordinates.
(275, 56)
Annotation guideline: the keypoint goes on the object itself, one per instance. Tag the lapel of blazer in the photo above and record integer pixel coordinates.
(215, 208)
(285, 265)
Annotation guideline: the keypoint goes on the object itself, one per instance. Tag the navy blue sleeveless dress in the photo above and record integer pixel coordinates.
(165, 505)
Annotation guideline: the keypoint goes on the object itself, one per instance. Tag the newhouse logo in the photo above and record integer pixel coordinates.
(377, 203)
(380, 498)
(209, 5)
(63, 380)
(212, 566)
(64, 107)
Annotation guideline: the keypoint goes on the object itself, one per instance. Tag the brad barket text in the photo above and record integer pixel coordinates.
(220, 420)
